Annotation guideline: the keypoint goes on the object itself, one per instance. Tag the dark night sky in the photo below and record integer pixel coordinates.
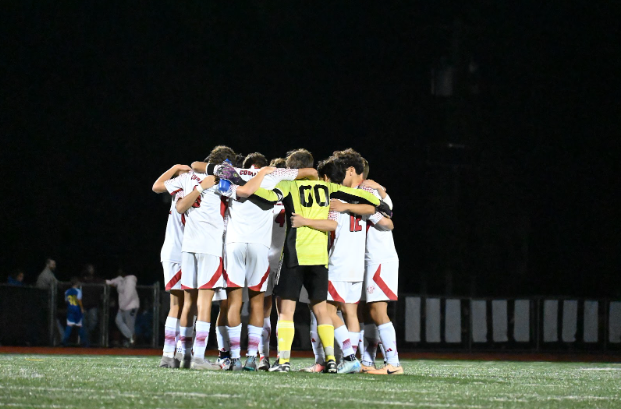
(99, 98)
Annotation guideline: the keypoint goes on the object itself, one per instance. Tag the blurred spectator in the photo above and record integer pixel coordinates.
(91, 299)
(128, 304)
(16, 278)
(47, 278)
(75, 312)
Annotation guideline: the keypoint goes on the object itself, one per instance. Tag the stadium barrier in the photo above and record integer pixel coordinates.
(527, 324)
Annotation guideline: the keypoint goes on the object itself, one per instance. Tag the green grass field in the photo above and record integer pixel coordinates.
(57, 381)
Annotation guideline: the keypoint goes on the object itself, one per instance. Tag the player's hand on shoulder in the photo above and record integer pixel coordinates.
(337, 206)
(297, 221)
(372, 184)
(181, 169)
(208, 182)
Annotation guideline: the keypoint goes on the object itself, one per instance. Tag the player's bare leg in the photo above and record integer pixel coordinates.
(325, 329)
(255, 328)
(379, 314)
(235, 300)
(350, 364)
(264, 345)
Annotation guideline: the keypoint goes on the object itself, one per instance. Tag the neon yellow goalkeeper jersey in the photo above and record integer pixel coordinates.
(305, 246)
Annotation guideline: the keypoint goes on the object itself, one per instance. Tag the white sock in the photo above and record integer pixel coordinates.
(235, 340)
(266, 334)
(389, 339)
(222, 336)
(371, 338)
(320, 355)
(361, 341)
(171, 331)
(254, 337)
(341, 336)
(354, 337)
(186, 335)
(201, 339)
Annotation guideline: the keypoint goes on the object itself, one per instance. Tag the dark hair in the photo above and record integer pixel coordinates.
(239, 160)
(332, 169)
(365, 171)
(279, 163)
(299, 158)
(219, 154)
(257, 159)
(75, 281)
(350, 158)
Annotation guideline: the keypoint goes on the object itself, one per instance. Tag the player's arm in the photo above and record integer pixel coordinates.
(159, 186)
(188, 200)
(255, 183)
(351, 195)
(385, 224)
(374, 185)
(307, 173)
(280, 191)
(114, 282)
(199, 167)
(317, 224)
(359, 209)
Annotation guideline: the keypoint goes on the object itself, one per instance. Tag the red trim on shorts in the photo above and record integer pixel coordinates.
(335, 296)
(214, 279)
(258, 286)
(382, 284)
(183, 287)
(173, 281)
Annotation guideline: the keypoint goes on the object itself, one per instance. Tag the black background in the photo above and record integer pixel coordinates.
(100, 97)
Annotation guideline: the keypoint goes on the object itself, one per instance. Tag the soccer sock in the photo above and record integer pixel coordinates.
(224, 345)
(264, 344)
(286, 331)
(326, 334)
(361, 340)
(389, 339)
(254, 337)
(186, 335)
(235, 340)
(371, 341)
(354, 338)
(320, 357)
(341, 335)
(200, 341)
(170, 336)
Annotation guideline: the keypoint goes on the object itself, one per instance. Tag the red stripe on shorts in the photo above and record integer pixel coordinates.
(382, 284)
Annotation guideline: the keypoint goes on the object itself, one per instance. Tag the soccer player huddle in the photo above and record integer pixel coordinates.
(281, 233)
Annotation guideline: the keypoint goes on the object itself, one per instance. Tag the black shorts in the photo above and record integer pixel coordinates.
(313, 278)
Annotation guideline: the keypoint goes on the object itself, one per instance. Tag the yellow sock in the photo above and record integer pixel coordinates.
(326, 334)
(285, 332)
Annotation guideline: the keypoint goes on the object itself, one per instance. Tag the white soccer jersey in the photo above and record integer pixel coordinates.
(279, 231)
(249, 221)
(171, 249)
(380, 243)
(204, 220)
(346, 262)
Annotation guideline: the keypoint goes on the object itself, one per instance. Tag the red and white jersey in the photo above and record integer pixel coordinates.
(250, 222)
(279, 231)
(171, 249)
(380, 243)
(204, 225)
(346, 262)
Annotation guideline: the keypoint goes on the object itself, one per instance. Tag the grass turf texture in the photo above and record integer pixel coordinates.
(46, 381)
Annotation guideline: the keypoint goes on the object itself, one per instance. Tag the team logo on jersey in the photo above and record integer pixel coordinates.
(370, 289)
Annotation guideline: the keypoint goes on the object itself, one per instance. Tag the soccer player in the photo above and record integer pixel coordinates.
(305, 253)
(75, 312)
(170, 257)
(248, 239)
(201, 251)
(381, 270)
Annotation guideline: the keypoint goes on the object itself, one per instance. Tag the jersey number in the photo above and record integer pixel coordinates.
(280, 219)
(354, 223)
(307, 200)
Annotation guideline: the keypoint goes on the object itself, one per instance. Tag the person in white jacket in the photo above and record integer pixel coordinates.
(128, 304)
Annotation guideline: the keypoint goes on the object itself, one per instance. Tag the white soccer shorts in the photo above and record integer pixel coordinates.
(202, 271)
(74, 324)
(346, 292)
(382, 281)
(247, 263)
(172, 275)
(219, 295)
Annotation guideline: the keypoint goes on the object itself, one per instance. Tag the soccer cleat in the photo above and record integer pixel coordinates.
(185, 361)
(228, 172)
(388, 369)
(236, 364)
(330, 367)
(314, 368)
(250, 364)
(349, 366)
(366, 368)
(167, 362)
(204, 365)
(264, 364)
(225, 363)
(278, 367)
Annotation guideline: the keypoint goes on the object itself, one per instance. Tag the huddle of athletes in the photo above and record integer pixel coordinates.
(320, 236)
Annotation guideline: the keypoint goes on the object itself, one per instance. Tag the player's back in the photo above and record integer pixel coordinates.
(72, 296)
(348, 248)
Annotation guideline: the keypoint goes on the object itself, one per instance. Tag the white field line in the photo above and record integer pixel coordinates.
(388, 403)
(601, 369)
